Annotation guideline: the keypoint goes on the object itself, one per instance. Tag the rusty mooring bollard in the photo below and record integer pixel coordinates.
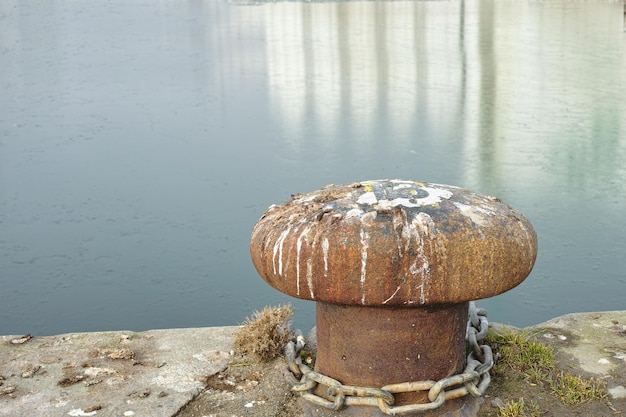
(392, 265)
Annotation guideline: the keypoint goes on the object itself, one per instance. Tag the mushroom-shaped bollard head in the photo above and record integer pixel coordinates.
(392, 263)
(393, 243)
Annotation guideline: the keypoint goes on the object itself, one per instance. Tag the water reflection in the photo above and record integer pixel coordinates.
(371, 66)
(384, 67)
(140, 142)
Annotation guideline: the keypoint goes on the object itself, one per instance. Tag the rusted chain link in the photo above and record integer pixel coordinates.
(474, 379)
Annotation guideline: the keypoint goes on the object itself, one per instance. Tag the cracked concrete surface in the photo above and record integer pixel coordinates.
(152, 373)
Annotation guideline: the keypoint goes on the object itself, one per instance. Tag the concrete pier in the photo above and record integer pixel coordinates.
(157, 373)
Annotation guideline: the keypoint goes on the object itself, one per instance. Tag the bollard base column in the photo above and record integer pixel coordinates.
(374, 347)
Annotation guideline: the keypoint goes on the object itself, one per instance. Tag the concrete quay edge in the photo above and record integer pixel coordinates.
(155, 373)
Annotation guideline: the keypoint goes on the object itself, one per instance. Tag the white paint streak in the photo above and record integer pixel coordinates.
(420, 228)
(309, 276)
(325, 246)
(399, 226)
(529, 239)
(367, 198)
(435, 195)
(402, 184)
(305, 198)
(278, 249)
(298, 249)
(476, 214)
(274, 252)
(369, 217)
(355, 212)
(364, 247)
(392, 295)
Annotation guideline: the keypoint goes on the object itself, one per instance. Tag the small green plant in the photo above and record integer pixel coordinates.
(244, 362)
(265, 334)
(519, 353)
(536, 376)
(308, 358)
(574, 390)
(536, 355)
(535, 363)
(519, 409)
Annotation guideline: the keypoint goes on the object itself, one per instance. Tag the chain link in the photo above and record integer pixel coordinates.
(474, 379)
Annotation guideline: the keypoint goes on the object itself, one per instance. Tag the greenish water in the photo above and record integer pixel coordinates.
(141, 140)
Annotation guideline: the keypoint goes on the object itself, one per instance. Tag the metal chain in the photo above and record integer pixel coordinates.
(473, 380)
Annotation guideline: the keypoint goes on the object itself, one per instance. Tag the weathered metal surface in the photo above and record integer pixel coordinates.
(393, 243)
(373, 346)
(392, 264)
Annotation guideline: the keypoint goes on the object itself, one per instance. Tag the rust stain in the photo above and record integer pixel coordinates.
(393, 243)
(369, 346)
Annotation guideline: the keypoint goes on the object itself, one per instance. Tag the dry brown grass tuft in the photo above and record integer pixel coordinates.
(264, 335)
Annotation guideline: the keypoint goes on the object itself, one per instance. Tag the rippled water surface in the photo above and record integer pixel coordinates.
(141, 140)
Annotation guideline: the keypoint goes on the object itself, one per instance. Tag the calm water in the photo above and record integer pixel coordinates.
(141, 140)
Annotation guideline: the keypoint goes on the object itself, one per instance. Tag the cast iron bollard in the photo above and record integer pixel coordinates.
(392, 265)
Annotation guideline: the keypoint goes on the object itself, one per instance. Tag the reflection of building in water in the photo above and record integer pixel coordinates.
(488, 78)
(364, 62)
(543, 79)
